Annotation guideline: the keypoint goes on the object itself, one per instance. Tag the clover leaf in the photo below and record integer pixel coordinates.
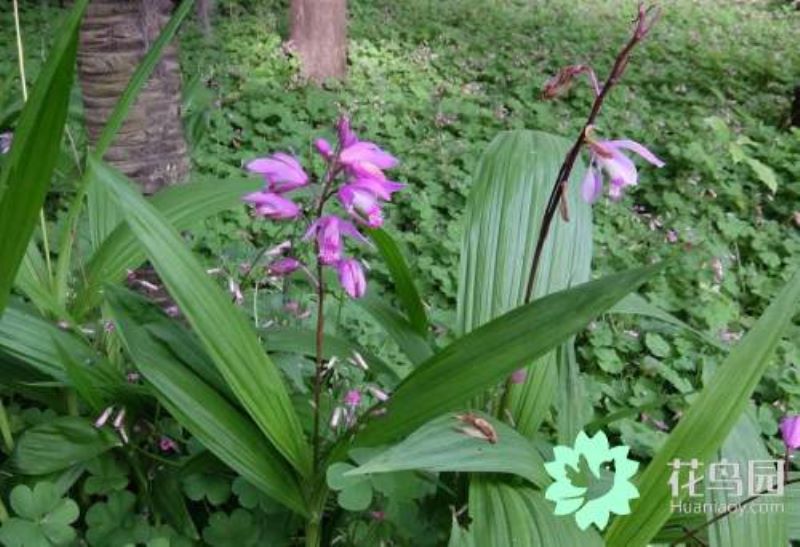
(238, 529)
(355, 492)
(107, 475)
(215, 488)
(43, 517)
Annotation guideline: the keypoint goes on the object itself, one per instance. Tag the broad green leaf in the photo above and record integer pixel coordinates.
(26, 173)
(573, 409)
(302, 341)
(59, 444)
(489, 353)
(217, 424)
(460, 537)
(709, 420)
(793, 507)
(226, 334)
(403, 281)
(503, 514)
(742, 446)
(33, 281)
(443, 445)
(182, 206)
(510, 190)
(411, 343)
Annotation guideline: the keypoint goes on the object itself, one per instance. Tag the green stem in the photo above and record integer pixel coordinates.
(3, 512)
(314, 527)
(5, 429)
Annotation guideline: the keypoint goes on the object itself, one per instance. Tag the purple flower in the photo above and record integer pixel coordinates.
(351, 276)
(366, 159)
(379, 186)
(167, 445)
(5, 142)
(518, 376)
(346, 135)
(790, 430)
(324, 148)
(281, 171)
(607, 156)
(329, 230)
(352, 398)
(272, 205)
(361, 204)
(283, 266)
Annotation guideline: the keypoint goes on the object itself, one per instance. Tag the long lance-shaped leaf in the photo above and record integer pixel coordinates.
(708, 421)
(27, 171)
(489, 353)
(227, 336)
(182, 206)
(205, 413)
(403, 281)
(100, 225)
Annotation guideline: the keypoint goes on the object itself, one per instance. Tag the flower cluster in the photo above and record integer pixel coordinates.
(354, 175)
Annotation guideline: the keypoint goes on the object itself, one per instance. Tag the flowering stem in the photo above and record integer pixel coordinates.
(324, 195)
(645, 19)
(643, 26)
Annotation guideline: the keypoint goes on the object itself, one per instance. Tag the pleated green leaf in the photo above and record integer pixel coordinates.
(443, 445)
(227, 336)
(59, 444)
(504, 514)
(793, 507)
(36, 342)
(709, 420)
(510, 191)
(748, 528)
(403, 281)
(182, 206)
(27, 171)
(491, 352)
(227, 433)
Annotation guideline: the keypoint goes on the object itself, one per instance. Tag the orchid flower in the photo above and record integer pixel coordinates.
(790, 430)
(329, 230)
(607, 157)
(281, 171)
(362, 204)
(351, 276)
(272, 205)
(283, 266)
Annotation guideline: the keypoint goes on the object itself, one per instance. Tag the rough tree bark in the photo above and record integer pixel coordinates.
(115, 35)
(319, 36)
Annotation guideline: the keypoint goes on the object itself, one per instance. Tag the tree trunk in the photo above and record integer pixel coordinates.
(795, 116)
(319, 36)
(115, 35)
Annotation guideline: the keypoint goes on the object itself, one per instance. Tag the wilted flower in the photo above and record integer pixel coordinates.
(281, 171)
(378, 393)
(272, 205)
(672, 236)
(329, 230)
(283, 266)
(351, 276)
(352, 398)
(103, 418)
(607, 156)
(5, 142)
(790, 430)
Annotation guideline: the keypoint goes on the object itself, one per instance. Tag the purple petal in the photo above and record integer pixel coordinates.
(346, 135)
(637, 148)
(381, 187)
(351, 276)
(592, 185)
(367, 152)
(790, 431)
(274, 206)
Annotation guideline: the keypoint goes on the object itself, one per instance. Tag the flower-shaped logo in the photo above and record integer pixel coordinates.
(592, 480)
